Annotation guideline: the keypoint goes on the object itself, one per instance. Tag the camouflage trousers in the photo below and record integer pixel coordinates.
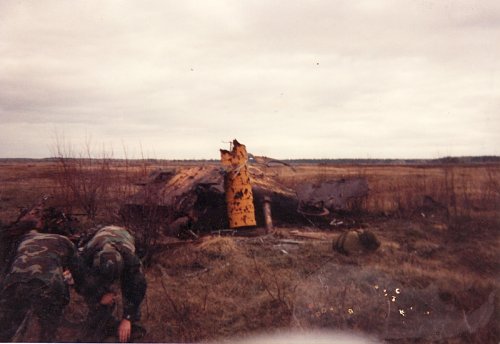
(18, 299)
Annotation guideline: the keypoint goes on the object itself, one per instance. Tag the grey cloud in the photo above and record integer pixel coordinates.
(292, 79)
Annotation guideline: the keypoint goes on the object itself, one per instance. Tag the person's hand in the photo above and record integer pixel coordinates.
(108, 299)
(68, 278)
(124, 330)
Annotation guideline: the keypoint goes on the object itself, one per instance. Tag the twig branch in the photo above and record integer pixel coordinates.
(261, 278)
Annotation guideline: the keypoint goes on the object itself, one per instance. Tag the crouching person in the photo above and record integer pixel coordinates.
(111, 263)
(35, 281)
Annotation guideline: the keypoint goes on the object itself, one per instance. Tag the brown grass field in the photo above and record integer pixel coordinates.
(435, 278)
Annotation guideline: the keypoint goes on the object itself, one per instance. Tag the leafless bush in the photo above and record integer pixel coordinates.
(146, 221)
(83, 180)
(276, 288)
(99, 186)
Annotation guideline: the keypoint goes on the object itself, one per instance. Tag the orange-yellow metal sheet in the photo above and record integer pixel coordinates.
(238, 189)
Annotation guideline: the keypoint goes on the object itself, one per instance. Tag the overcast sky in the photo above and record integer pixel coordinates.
(290, 79)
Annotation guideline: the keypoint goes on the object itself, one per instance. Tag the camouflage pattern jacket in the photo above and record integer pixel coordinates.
(132, 281)
(43, 257)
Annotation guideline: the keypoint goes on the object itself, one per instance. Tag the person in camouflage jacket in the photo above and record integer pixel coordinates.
(109, 257)
(35, 281)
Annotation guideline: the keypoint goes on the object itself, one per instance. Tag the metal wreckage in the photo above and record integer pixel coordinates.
(238, 196)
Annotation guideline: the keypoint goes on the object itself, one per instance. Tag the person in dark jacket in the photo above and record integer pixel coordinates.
(109, 257)
(35, 280)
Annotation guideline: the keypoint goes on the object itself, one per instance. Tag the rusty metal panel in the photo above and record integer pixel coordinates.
(237, 187)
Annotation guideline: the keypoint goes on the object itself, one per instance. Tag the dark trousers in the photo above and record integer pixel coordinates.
(18, 299)
(100, 323)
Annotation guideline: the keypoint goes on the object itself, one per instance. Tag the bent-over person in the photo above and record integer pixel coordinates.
(110, 259)
(35, 281)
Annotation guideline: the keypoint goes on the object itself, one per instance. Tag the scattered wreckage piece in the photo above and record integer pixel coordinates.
(331, 195)
(267, 162)
(350, 242)
(432, 208)
(267, 214)
(309, 235)
(355, 242)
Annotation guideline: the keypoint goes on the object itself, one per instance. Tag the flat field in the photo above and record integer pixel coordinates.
(435, 277)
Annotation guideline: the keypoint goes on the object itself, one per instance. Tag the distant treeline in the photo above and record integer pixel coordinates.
(444, 160)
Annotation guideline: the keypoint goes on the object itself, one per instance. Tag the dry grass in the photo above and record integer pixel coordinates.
(444, 262)
(463, 189)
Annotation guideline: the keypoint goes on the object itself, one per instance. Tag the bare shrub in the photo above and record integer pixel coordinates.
(491, 190)
(83, 180)
(147, 223)
(98, 186)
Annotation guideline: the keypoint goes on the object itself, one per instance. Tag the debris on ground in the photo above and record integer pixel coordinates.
(194, 198)
(197, 198)
(356, 241)
(331, 195)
